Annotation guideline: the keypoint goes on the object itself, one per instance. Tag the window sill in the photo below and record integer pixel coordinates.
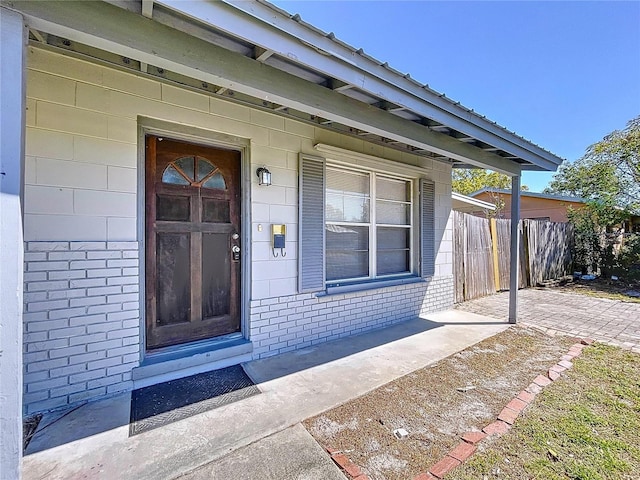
(369, 285)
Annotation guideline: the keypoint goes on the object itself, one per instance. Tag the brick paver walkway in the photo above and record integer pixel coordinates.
(608, 321)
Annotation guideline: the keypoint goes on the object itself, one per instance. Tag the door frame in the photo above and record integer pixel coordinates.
(210, 139)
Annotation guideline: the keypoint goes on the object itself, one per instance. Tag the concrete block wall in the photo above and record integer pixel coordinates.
(81, 172)
(282, 324)
(81, 321)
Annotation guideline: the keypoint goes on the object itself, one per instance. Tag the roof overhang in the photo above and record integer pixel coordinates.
(254, 53)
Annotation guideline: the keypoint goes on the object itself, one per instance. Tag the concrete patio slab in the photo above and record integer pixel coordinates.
(608, 321)
(93, 441)
(290, 454)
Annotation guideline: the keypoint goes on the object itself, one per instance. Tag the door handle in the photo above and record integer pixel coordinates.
(235, 253)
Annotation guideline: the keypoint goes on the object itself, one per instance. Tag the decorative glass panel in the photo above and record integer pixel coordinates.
(347, 252)
(194, 171)
(186, 164)
(215, 182)
(204, 168)
(173, 208)
(215, 211)
(171, 175)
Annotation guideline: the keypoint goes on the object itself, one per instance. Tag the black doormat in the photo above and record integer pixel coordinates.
(158, 405)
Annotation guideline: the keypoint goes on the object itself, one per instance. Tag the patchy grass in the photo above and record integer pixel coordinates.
(602, 288)
(584, 426)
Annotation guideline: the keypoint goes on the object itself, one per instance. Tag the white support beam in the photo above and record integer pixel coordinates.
(259, 24)
(13, 41)
(147, 8)
(514, 269)
(262, 54)
(139, 38)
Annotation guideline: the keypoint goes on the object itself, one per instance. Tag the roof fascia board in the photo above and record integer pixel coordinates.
(134, 36)
(258, 23)
(472, 201)
(524, 193)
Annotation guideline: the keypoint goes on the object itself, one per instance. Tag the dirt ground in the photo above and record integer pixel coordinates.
(602, 287)
(436, 404)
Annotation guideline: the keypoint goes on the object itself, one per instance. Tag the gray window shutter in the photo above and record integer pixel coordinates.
(311, 268)
(427, 228)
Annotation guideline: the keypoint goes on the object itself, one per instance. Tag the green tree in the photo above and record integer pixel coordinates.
(608, 177)
(469, 180)
(609, 172)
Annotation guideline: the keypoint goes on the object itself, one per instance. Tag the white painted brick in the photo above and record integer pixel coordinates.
(89, 282)
(103, 152)
(127, 82)
(92, 97)
(47, 306)
(87, 320)
(67, 275)
(67, 255)
(66, 332)
(47, 144)
(63, 173)
(58, 227)
(66, 313)
(96, 392)
(70, 119)
(88, 202)
(120, 179)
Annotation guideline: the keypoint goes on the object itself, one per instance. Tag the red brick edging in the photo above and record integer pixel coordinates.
(467, 447)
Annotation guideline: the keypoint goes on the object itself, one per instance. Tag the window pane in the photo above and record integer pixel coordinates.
(171, 175)
(205, 167)
(186, 165)
(172, 207)
(393, 213)
(347, 209)
(215, 210)
(345, 182)
(216, 182)
(393, 250)
(389, 189)
(393, 261)
(347, 196)
(347, 252)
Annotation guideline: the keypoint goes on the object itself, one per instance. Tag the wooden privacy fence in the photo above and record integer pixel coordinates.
(482, 254)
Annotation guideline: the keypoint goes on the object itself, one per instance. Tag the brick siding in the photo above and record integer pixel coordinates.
(81, 321)
(282, 324)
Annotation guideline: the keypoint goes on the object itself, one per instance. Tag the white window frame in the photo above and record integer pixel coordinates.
(373, 226)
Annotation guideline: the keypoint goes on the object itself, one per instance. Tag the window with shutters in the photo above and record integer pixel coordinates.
(360, 225)
(368, 225)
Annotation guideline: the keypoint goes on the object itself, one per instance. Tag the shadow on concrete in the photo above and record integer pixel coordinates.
(112, 414)
(309, 357)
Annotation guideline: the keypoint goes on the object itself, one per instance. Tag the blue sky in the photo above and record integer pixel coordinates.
(562, 74)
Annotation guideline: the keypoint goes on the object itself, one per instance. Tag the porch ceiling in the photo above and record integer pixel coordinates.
(257, 54)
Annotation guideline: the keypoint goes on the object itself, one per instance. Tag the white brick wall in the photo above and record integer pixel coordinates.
(81, 321)
(81, 314)
(282, 324)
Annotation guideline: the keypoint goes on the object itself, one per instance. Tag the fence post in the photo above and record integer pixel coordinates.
(494, 252)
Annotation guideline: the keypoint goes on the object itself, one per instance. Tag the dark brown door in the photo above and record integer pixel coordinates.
(192, 242)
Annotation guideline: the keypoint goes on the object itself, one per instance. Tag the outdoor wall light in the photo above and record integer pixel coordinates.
(264, 176)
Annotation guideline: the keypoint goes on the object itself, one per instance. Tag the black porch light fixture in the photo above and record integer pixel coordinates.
(264, 176)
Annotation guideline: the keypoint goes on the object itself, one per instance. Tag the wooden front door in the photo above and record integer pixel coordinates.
(192, 242)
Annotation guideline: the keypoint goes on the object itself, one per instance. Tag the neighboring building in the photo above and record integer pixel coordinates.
(536, 206)
(464, 204)
(148, 248)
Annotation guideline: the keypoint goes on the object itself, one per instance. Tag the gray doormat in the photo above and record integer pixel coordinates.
(158, 405)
